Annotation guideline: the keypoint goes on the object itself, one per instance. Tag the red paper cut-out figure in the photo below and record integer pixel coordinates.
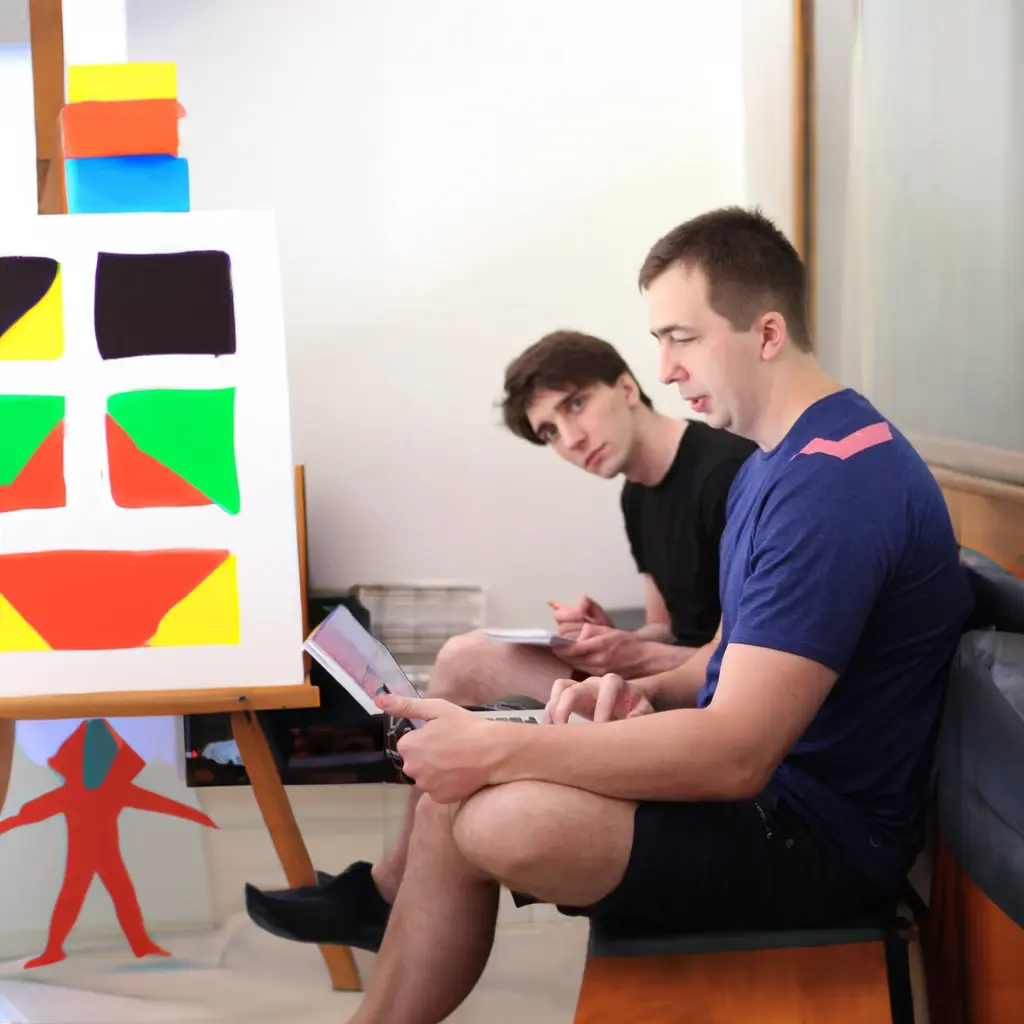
(98, 768)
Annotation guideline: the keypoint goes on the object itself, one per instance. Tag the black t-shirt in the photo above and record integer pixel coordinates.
(675, 527)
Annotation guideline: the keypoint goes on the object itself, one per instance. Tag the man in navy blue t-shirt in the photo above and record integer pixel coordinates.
(841, 553)
(778, 777)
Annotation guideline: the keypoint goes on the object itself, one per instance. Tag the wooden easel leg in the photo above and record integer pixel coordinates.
(7, 726)
(284, 832)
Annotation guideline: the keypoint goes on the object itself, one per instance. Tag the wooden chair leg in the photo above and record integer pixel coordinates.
(284, 833)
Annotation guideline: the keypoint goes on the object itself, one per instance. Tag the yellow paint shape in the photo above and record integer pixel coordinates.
(39, 334)
(129, 81)
(209, 615)
(15, 633)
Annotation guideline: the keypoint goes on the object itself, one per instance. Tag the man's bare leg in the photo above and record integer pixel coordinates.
(560, 844)
(472, 669)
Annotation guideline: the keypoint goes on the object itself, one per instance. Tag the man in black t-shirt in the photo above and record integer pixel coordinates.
(674, 527)
(575, 394)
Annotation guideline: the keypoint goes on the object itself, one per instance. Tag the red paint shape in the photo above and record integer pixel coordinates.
(94, 844)
(40, 484)
(137, 480)
(120, 128)
(852, 444)
(101, 600)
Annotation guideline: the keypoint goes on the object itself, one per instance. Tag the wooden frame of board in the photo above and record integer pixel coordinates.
(270, 794)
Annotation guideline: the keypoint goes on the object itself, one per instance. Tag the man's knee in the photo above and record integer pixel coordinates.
(560, 844)
(500, 832)
(463, 665)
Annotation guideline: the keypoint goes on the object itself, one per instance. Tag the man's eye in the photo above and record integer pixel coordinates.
(577, 402)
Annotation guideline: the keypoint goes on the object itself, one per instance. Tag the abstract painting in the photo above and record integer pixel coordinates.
(110, 600)
(99, 770)
(31, 452)
(31, 310)
(147, 507)
(173, 448)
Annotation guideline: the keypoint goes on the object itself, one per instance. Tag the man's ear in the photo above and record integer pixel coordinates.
(771, 327)
(630, 389)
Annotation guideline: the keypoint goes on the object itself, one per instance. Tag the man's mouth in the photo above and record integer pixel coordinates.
(594, 457)
(698, 404)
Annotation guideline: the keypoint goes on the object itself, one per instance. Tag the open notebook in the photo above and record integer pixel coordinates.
(365, 668)
(531, 637)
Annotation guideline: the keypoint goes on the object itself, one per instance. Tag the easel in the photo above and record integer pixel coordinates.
(252, 746)
(98, 35)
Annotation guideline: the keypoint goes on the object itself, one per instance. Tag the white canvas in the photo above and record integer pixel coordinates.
(262, 535)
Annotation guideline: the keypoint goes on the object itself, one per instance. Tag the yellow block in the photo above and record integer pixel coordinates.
(122, 82)
(15, 633)
(209, 615)
(39, 334)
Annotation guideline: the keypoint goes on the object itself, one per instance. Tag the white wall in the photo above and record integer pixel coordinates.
(768, 106)
(14, 24)
(17, 132)
(833, 40)
(452, 181)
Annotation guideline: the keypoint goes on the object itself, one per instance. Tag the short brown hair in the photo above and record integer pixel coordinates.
(749, 264)
(560, 361)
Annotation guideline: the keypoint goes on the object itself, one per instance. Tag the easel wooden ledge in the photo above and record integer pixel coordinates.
(259, 763)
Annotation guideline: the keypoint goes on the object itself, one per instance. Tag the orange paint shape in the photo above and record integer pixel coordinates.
(40, 484)
(137, 480)
(121, 128)
(101, 600)
(99, 770)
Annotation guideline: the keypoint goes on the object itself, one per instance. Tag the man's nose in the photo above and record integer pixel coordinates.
(573, 436)
(669, 369)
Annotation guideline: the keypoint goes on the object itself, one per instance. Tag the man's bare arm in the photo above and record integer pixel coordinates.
(657, 621)
(663, 658)
(678, 687)
(727, 751)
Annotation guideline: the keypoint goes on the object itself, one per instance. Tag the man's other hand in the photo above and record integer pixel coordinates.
(600, 649)
(571, 618)
(603, 699)
(453, 754)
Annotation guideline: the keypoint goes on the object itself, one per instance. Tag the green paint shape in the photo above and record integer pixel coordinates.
(99, 753)
(191, 432)
(25, 422)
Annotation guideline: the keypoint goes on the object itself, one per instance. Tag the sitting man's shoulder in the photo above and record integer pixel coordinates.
(850, 461)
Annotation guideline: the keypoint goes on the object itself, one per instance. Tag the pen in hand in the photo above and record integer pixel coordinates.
(586, 618)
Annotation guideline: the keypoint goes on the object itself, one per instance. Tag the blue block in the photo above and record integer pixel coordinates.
(127, 184)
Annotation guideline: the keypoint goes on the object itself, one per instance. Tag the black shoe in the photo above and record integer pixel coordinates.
(347, 910)
(322, 879)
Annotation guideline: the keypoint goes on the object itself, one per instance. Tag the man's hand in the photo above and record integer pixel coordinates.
(602, 700)
(453, 755)
(601, 649)
(572, 618)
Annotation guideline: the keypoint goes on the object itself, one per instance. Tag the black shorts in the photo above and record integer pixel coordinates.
(741, 865)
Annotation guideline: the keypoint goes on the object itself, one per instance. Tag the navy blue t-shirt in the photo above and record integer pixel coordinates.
(838, 547)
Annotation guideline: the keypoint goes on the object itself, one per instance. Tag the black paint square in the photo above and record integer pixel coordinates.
(158, 304)
(24, 281)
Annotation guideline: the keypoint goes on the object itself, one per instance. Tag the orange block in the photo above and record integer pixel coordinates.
(121, 128)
